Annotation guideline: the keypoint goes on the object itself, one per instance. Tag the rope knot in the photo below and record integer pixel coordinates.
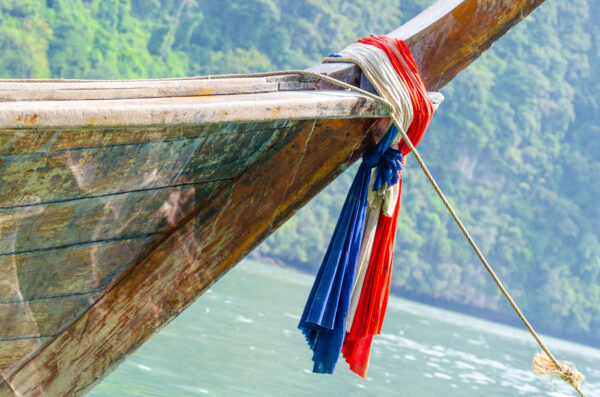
(388, 165)
(543, 365)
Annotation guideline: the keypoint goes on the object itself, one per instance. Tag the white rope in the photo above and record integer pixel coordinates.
(378, 69)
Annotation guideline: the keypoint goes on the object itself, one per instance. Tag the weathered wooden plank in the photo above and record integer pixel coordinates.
(455, 33)
(117, 216)
(22, 141)
(189, 110)
(41, 318)
(35, 299)
(447, 37)
(11, 351)
(66, 271)
(223, 229)
(44, 178)
(60, 89)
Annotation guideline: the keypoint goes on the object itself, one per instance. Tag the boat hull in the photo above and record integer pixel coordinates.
(181, 263)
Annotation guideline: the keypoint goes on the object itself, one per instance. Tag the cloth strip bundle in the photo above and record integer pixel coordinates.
(347, 302)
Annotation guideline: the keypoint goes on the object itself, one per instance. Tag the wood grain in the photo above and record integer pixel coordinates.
(41, 318)
(145, 297)
(12, 351)
(44, 289)
(60, 89)
(42, 178)
(84, 221)
(447, 37)
(33, 140)
(66, 271)
(281, 105)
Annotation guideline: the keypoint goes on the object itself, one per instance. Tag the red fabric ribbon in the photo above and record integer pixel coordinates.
(374, 296)
(370, 312)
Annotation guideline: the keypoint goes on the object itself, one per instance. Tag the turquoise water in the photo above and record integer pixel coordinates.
(240, 339)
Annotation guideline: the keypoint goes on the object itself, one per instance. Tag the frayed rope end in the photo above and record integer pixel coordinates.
(542, 365)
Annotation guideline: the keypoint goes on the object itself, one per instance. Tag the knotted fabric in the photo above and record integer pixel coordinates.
(388, 166)
(323, 321)
(347, 302)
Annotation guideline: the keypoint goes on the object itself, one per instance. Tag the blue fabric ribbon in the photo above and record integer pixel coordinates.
(323, 321)
(388, 164)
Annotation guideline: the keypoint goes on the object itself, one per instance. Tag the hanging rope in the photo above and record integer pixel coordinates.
(571, 375)
(574, 376)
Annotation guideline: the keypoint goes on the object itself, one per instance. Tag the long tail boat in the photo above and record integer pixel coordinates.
(121, 202)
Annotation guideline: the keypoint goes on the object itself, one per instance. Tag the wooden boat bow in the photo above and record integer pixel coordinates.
(449, 35)
(122, 202)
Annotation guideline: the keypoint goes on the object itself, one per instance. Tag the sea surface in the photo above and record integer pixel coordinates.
(240, 339)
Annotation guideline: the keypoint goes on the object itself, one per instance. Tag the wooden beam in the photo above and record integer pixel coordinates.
(446, 37)
(281, 105)
(62, 89)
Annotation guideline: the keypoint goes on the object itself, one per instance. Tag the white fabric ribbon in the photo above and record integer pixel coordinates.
(380, 201)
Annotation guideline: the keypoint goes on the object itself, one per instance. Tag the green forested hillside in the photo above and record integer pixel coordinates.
(160, 38)
(514, 145)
